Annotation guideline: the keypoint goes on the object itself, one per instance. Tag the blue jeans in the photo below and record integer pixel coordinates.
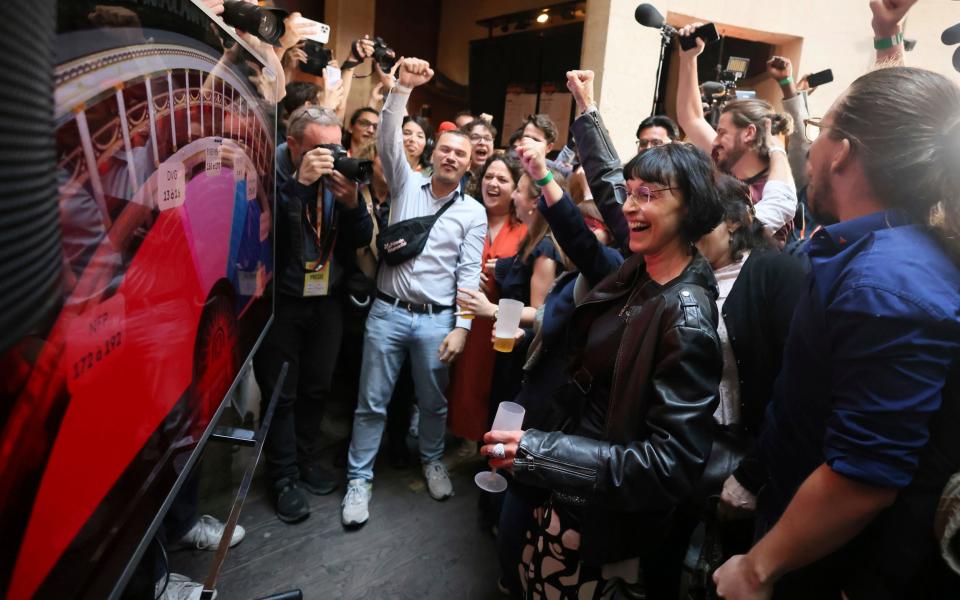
(391, 334)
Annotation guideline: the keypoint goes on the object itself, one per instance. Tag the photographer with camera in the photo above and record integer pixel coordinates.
(738, 145)
(320, 225)
(432, 246)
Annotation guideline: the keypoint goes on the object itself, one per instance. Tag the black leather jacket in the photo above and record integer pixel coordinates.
(659, 420)
(604, 174)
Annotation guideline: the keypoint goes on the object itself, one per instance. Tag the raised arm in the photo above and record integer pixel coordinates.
(778, 205)
(689, 106)
(795, 104)
(569, 230)
(598, 157)
(412, 72)
(360, 51)
(887, 23)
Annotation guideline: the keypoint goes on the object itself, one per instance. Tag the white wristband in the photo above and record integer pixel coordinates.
(773, 149)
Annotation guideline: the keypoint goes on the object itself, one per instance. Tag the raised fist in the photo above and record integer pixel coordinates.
(887, 15)
(414, 72)
(580, 84)
(779, 67)
(533, 158)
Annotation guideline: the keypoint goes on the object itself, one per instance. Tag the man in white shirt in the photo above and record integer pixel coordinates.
(414, 310)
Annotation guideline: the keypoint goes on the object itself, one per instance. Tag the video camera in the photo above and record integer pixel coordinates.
(715, 94)
(352, 168)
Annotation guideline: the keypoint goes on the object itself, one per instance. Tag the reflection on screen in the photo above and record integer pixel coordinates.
(165, 137)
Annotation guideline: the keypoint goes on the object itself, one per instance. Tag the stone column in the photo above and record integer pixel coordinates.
(624, 55)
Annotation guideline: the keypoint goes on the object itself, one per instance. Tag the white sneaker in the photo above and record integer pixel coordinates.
(438, 482)
(206, 533)
(179, 587)
(356, 502)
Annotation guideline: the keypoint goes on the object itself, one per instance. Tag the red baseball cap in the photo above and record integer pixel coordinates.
(446, 126)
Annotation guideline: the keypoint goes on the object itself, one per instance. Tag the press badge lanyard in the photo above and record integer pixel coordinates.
(316, 280)
(326, 247)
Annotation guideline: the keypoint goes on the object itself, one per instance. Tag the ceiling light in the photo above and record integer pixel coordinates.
(543, 17)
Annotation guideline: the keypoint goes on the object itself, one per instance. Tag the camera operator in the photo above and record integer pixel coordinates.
(320, 226)
(738, 145)
(414, 310)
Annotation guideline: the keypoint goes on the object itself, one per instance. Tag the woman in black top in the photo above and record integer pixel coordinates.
(634, 427)
(759, 287)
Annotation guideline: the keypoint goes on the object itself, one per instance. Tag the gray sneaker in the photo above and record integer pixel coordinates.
(438, 482)
(356, 503)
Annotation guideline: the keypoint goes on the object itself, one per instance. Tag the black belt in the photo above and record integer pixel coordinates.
(423, 309)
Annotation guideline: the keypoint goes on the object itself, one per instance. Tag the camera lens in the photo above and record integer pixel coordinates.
(265, 23)
(354, 168)
(269, 26)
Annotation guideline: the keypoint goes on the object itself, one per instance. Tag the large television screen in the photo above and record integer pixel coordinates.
(165, 138)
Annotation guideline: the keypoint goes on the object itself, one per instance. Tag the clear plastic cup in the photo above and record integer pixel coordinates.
(508, 320)
(509, 418)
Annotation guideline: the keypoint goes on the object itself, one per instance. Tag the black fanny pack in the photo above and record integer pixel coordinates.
(404, 240)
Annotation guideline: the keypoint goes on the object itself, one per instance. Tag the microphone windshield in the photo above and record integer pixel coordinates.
(949, 37)
(648, 16)
(713, 88)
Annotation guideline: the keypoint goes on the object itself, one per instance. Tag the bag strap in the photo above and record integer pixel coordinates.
(444, 208)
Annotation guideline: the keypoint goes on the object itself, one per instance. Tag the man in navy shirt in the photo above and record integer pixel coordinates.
(861, 435)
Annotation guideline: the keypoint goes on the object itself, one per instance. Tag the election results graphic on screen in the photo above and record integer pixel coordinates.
(165, 140)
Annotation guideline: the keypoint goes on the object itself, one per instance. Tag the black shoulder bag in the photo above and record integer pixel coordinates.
(406, 239)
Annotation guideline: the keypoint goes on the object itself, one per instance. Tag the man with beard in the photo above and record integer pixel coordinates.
(738, 145)
(861, 434)
(413, 314)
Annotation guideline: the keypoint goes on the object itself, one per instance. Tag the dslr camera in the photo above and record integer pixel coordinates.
(383, 55)
(351, 168)
(317, 58)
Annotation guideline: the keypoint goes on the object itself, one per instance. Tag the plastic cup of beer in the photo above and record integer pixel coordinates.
(508, 319)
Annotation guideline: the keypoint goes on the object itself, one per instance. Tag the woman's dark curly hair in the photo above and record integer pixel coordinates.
(688, 168)
(738, 208)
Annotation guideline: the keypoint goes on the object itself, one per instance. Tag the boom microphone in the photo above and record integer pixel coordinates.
(950, 36)
(648, 16)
